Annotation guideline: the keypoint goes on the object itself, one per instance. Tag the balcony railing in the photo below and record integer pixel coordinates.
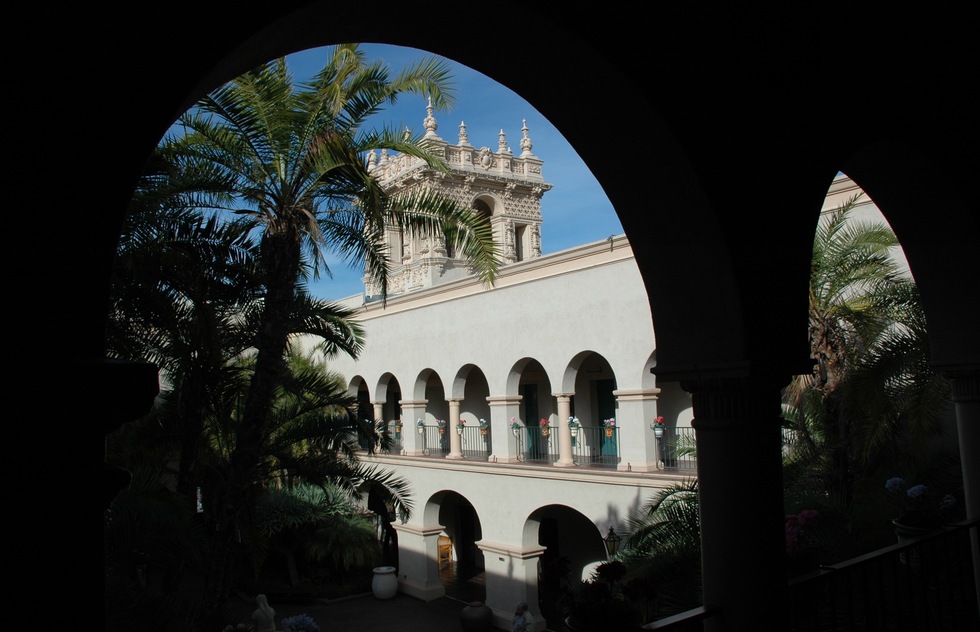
(675, 450)
(533, 446)
(926, 584)
(593, 446)
(475, 444)
(596, 446)
(396, 431)
(435, 440)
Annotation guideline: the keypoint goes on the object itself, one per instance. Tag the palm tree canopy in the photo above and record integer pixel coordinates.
(292, 160)
(872, 404)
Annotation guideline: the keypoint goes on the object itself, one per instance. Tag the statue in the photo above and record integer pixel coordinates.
(264, 617)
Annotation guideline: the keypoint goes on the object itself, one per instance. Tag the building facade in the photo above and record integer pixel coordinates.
(537, 389)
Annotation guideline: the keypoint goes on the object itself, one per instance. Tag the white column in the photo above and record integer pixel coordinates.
(412, 441)
(418, 561)
(503, 444)
(511, 577)
(564, 431)
(635, 410)
(455, 441)
(379, 411)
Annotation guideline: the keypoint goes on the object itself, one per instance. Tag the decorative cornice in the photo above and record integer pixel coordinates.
(422, 530)
(642, 394)
(964, 385)
(522, 553)
(735, 400)
(610, 251)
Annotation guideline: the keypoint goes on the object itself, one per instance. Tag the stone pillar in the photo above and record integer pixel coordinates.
(966, 399)
(379, 412)
(455, 440)
(503, 443)
(418, 561)
(412, 442)
(565, 458)
(737, 428)
(511, 577)
(636, 410)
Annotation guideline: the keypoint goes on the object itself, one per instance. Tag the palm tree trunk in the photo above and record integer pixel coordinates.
(281, 257)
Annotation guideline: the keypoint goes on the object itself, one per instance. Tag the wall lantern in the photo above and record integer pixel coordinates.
(612, 543)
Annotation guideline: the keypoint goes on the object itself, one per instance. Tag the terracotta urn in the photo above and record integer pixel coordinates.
(476, 617)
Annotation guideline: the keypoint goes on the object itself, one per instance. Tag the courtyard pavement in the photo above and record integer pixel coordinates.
(366, 612)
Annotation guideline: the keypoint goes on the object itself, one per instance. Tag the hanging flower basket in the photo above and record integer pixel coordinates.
(442, 426)
(658, 427)
(484, 427)
(609, 425)
(545, 428)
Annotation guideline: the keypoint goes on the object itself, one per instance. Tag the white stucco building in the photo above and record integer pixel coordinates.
(563, 336)
(560, 336)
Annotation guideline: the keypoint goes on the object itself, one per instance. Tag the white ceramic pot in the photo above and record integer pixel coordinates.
(384, 585)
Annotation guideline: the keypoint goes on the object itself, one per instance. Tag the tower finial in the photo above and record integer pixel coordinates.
(526, 140)
(464, 139)
(430, 121)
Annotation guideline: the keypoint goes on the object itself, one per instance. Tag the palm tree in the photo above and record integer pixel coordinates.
(663, 552)
(180, 285)
(291, 163)
(315, 527)
(872, 403)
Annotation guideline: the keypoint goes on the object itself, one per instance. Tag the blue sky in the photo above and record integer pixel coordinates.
(576, 211)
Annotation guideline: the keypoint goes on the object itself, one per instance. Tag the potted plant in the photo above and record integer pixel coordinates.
(574, 426)
(398, 428)
(658, 426)
(920, 510)
(441, 425)
(545, 427)
(514, 426)
(484, 427)
(300, 623)
(460, 426)
(609, 425)
(420, 426)
(802, 550)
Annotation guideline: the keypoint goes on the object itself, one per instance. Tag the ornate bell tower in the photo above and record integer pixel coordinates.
(504, 189)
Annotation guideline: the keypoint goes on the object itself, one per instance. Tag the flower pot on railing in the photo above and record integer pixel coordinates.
(609, 432)
(545, 431)
(658, 432)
